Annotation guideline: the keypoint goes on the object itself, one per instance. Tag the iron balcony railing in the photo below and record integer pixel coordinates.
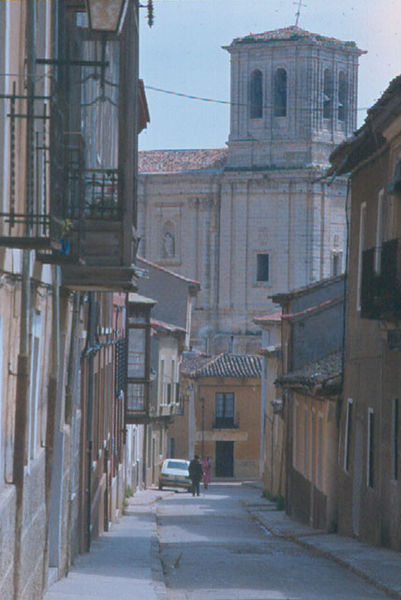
(226, 423)
(93, 193)
(381, 282)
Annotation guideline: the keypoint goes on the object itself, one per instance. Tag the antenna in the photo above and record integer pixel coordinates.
(299, 4)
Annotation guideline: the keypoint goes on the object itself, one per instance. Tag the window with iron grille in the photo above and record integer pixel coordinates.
(224, 410)
(120, 350)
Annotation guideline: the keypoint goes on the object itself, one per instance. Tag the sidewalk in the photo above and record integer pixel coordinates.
(123, 563)
(378, 566)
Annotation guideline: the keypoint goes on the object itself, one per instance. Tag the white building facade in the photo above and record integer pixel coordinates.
(257, 217)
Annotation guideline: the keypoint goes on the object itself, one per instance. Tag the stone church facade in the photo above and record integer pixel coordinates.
(258, 217)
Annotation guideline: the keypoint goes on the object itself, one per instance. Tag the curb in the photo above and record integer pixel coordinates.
(326, 554)
(156, 568)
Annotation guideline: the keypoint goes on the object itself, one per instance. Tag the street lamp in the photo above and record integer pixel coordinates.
(106, 16)
(203, 427)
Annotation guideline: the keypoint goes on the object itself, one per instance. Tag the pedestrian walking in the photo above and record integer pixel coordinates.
(207, 471)
(195, 473)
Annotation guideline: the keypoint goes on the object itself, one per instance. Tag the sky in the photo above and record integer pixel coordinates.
(183, 53)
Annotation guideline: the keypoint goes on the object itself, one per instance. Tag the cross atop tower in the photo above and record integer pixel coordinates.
(299, 4)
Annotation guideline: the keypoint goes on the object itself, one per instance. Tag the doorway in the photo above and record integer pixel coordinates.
(224, 459)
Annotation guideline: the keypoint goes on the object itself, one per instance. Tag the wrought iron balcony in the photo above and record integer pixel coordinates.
(381, 282)
(226, 423)
(32, 231)
(93, 194)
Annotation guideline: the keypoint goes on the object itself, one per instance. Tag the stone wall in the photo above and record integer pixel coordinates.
(223, 221)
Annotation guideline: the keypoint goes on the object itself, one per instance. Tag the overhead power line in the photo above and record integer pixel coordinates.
(215, 101)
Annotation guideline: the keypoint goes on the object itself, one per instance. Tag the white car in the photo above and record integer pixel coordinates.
(174, 473)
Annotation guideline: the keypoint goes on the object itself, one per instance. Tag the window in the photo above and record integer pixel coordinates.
(306, 442)
(327, 94)
(256, 94)
(224, 410)
(319, 474)
(295, 435)
(136, 353)
(371, 449)
(136, 396)
(348, 433)
(173, 382)
(396, 425)
(336, 263)
(161, 382)
(280, 93)
(342, 96)
(171, 448)
(379, 230)
(262, 267)
(362, 236)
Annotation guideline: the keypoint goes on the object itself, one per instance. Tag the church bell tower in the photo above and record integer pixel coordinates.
(293, 98)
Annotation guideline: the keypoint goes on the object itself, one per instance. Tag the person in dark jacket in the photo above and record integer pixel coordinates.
(195, 473)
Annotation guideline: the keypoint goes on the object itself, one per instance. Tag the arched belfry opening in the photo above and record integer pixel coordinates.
(342, 96)
(256, 94)
(280, 93)
(327, 94)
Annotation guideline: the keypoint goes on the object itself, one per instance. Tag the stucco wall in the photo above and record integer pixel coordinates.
(245, 435)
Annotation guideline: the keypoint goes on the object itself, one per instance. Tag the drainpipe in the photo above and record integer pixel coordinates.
(22, 392)
(52, 399)
(89, 416)
(263, 416)
(70, 416)
(73, 359)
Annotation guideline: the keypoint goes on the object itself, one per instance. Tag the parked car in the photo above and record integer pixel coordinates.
(174, 473)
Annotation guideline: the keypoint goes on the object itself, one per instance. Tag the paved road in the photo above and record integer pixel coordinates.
(211, 549)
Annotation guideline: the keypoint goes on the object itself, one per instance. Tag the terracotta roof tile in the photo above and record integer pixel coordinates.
(230, 365)
(324, 370)
(176, 161)
(163, 327)
(148, 262)
(269, 318)
(192, 361)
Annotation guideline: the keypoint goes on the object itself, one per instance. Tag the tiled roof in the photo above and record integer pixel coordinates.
(285, 296)
(294, 33)
(313, 309)
(393, 89)
(274, 317)
(325, 372)
(229, 365)
(176, 161)
(145, 262)
(367, 140)
(163, 327)
(192, 361)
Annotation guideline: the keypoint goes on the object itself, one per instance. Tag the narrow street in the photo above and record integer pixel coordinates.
(212, 548)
